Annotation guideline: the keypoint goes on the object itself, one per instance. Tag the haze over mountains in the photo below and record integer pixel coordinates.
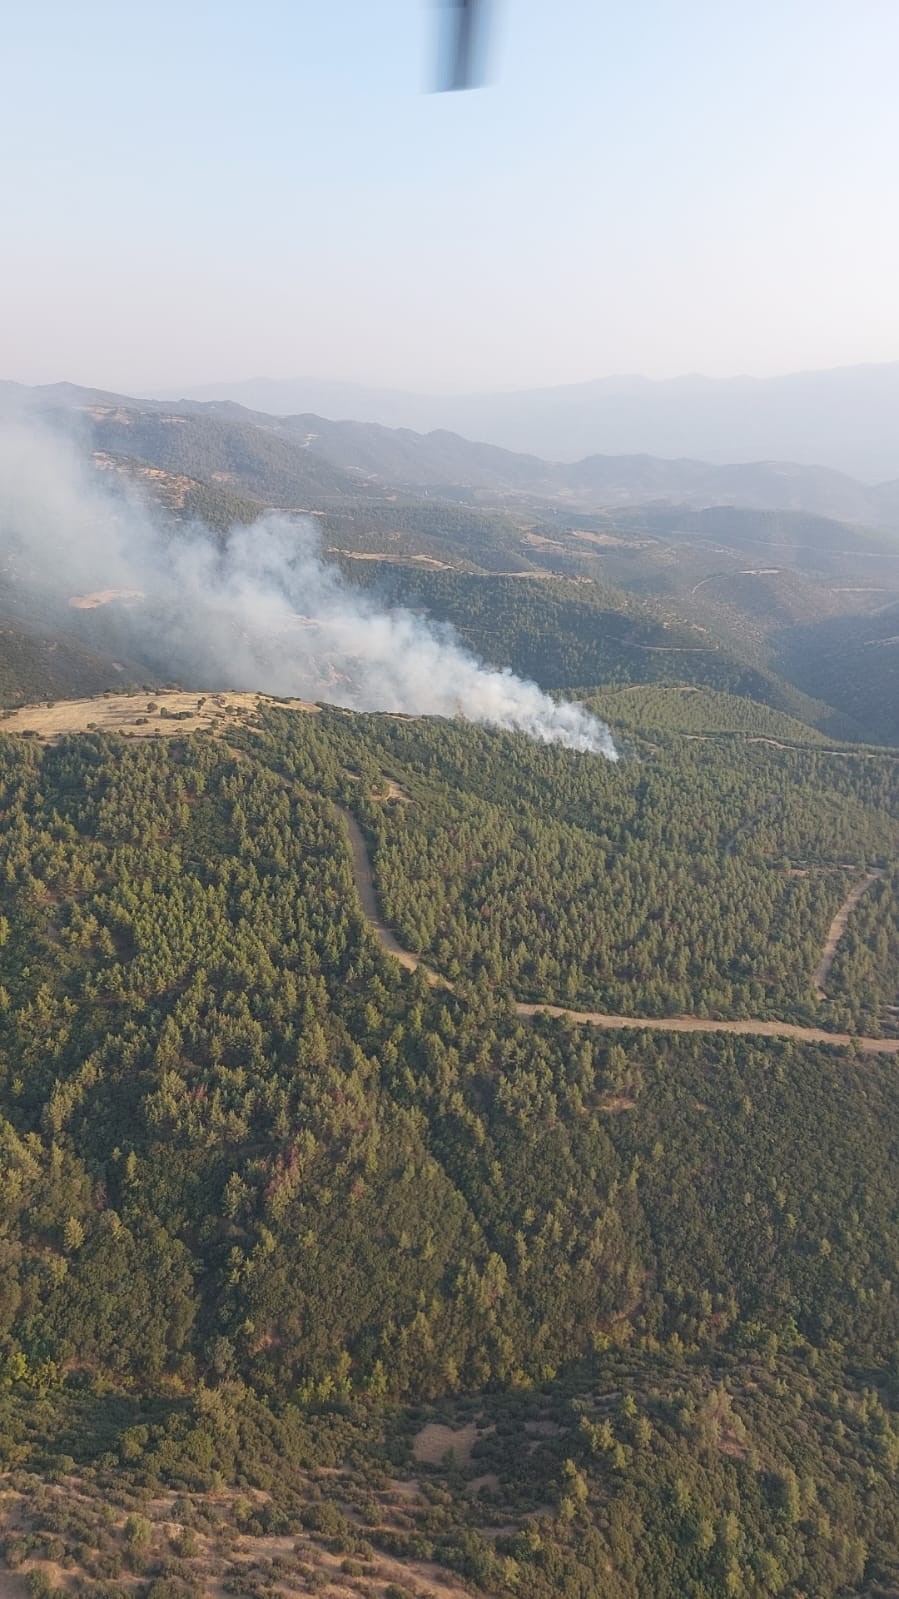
(441, 459)
(846, 418)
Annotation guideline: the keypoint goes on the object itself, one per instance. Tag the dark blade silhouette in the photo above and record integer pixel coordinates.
(462, 36)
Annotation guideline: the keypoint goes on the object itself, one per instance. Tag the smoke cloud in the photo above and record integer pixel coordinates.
(259, 610)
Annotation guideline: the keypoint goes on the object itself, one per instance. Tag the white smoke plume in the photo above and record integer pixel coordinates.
(260, 610)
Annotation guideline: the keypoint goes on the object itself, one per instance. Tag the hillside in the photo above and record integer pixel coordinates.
(854, 663)
(449, 842)
(322, 1279)
(566, 635)
(43, 662)
(444, 460)
(242, 460)
(181, 496)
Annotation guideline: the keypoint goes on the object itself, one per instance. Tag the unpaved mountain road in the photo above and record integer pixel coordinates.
(838, 927)
(365, 887)
(751, 1027)
(217, 712)
(701, 1024)
(778, 744)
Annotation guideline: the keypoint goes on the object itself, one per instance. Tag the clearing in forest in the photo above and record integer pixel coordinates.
(435, 1441)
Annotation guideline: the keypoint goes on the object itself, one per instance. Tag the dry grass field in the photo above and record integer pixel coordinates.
(165, 713)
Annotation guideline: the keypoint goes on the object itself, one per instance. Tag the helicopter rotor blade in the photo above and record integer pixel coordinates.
(462, 37)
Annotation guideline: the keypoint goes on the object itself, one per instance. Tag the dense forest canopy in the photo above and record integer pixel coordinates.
(700, 874)
(271, 1206)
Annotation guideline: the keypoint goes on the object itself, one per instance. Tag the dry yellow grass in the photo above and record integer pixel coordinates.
(132, 714)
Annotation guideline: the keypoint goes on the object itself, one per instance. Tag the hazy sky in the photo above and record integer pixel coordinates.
(201, 190)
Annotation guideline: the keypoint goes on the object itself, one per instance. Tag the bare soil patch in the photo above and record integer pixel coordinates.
(408, 1489)
(394, 560)
(98, 597)
(729, 1444)
(392, 791)
(435, 1440)
(610, 540)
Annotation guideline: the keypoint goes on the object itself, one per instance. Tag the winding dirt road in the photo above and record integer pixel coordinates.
(751, 1027)
(129, 713)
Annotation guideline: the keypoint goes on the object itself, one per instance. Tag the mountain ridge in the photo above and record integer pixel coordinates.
(842, 417)
(336, 456)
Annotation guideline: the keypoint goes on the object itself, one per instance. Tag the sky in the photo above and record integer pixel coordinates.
(207, 191)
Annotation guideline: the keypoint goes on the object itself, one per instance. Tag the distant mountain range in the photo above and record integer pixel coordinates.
(306, 460)
(846, 418)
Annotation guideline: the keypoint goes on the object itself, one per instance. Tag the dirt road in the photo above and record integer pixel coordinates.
(365, 887)
(131, 713)
(750, 1027)
(701, 1024)
(838, 927)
